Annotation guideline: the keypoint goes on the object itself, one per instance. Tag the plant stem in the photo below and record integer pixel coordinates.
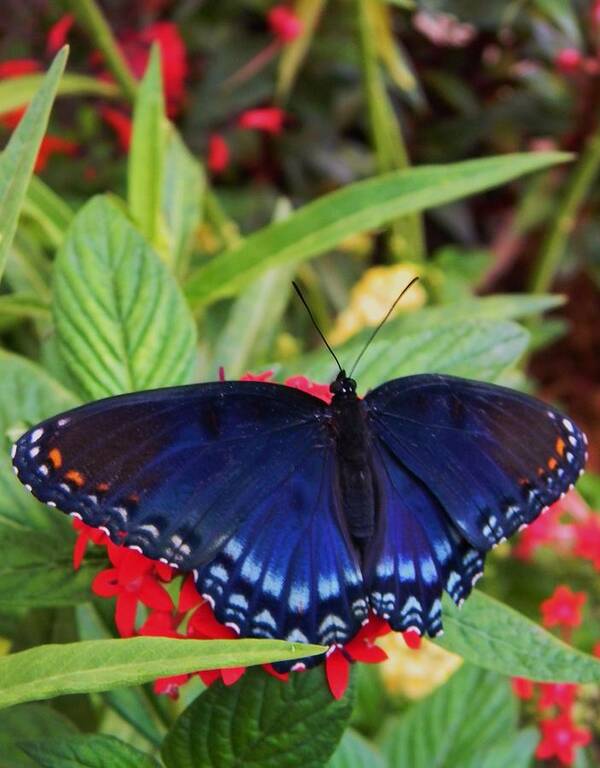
(555, 242)
(215, 215)
(92, 19)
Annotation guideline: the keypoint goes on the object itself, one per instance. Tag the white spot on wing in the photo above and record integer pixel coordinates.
(36, 434)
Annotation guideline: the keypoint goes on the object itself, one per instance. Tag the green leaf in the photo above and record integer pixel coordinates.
(18, 159)
(322, 224)
(36, 568)
(121, 320)
(83, 751)
(355, 752)
(18, 92)
(250, 324)
(27, 395)
(494, 636)
(99, 665)
(260, 722)
(146, 163)
(515, 752)
(473, 711)
(48, 210)
(182, 199)
(473, 349)
(132, 704)
(28, 721)
(24, 306)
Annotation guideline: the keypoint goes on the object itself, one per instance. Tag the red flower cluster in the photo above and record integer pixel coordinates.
(569, 527)
(136, 581)
(560, 737)
(284, 23)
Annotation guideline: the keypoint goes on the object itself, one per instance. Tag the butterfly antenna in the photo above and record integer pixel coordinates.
(381, 324)
(314, 322)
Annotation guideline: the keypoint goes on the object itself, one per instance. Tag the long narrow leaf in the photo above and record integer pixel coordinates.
(366, 205)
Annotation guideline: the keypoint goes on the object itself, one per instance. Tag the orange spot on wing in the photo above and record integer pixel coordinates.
(560, 446)
(75, 477)
(102, 487)
(552, 463)
(55, 457)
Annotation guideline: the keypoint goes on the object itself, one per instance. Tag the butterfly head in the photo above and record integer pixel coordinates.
(343, 386)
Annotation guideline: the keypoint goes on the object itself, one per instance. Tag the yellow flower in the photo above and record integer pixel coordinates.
(413, 673)
(373, 295)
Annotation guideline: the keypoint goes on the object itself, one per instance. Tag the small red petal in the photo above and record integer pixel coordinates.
(266, 119)
(57, 36)
(283, 676)
(337, 669)
(120, 124)
(204, 625)
(170, 685)
(368, 653)
(218, 154)
(106, 583)
(154, 595)
(189, 596)
(18, 67)
(522, 688)
(231, 676)
(209, 676)
(125, 614)
(413, 639)
(79, 550)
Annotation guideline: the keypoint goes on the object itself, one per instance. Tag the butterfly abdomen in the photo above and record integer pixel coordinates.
(355, 476)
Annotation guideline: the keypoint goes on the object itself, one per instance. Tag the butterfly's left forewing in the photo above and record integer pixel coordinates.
(235, 481)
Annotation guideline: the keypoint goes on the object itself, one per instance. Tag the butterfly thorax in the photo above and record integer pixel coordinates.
(355, 477)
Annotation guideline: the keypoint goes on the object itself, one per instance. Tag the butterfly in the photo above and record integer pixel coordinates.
(298, 517)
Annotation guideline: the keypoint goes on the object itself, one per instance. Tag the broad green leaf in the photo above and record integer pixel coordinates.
(480, 349)
(18, 159)
(365, 205)
(473, 711)
(514, 752)
(121, 320)
(36, 568)
(27, 395)
(99, 665)
(86, 751)
(182, 200)
(132, 704)
(146, 163)
(497, 308)
(494, 636)
(355, 752)
(29, 721)
(17, 92)
(260, 722)
(48, 210)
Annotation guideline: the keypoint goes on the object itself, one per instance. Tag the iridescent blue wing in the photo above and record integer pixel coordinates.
(234, 479)
(461, 465)
(290, 570)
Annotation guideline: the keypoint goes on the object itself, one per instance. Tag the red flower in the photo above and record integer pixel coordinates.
(548, 530)
(587, 540)
(561, 695)
(563, 608)
(132, 580)
(57, 36)
(560, 739)
(522, 688)
(266, 119)
(170, 685)
(136, 49)
(18, 67)
(317, 390)
(120, 123)
(361, 648)
(54, 145)
(218, 154)
(284, 23)
(569, 60)
(85, 534)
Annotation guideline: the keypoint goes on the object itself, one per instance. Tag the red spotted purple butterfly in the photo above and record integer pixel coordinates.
(297, 517)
